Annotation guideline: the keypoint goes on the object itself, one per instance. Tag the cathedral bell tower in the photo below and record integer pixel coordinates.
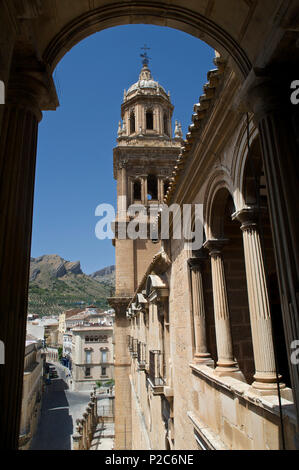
(143, 162)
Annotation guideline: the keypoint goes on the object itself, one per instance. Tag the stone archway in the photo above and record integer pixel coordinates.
(35, 35)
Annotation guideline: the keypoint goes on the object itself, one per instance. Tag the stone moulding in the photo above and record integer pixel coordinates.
(159, 265)
(201, 110)
(245, 392)
(119, 12)
(209, 439)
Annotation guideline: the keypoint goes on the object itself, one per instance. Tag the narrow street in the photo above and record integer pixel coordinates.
(60, 409)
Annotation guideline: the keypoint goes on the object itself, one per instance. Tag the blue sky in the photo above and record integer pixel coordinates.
(75, 145)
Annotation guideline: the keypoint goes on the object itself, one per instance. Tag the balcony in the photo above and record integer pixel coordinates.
(155, 378)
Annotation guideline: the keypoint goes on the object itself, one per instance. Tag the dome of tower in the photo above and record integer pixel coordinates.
(145, 82)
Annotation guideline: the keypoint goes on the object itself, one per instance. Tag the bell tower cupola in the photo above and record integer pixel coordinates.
(146, 110)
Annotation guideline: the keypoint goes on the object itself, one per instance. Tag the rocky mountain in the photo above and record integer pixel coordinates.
(107, 273)
(56, 285)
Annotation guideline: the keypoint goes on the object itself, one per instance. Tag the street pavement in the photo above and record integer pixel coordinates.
(60, 409)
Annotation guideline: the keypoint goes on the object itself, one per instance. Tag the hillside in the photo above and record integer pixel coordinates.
(56, 285)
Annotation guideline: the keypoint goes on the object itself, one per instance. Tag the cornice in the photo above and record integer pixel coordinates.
(143, 97)
(208, 148)
(199, 118)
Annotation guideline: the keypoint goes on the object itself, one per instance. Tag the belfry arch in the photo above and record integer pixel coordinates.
(36, 35)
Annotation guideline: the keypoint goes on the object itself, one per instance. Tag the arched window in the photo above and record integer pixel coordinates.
(165, 124)
(132, 122)
(149, 119)
(137, 190)
(152, 187)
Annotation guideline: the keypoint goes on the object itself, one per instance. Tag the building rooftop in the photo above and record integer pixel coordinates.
(146, 81)
(92, 328)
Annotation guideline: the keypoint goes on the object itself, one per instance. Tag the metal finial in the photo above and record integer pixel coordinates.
(144, 56)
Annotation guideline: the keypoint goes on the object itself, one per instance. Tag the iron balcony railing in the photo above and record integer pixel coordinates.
(155, 364)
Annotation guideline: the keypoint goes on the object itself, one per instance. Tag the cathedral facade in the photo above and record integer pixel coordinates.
(200, 349)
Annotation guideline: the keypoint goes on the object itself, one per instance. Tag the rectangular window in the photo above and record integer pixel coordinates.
(103, 370)
(88, 357)
(104, 356)
(87, 371)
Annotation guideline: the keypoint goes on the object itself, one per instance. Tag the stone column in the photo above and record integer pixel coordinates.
(226, 362)
(85, 430)
(26, 96)
(160, 189)
(122, 192)
(144, 190)
(260, 316)
(93, 400)
(277, 120)
(199, 317)
(156, 119)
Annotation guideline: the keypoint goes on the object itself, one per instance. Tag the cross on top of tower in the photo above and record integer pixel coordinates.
(144, 56)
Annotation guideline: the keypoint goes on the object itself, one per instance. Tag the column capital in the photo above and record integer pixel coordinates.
(197, 262)
(215, 246)
(264, 92)
(31, 86)
(262, 97)
(120, 304)
(122, 164)
(248, 216)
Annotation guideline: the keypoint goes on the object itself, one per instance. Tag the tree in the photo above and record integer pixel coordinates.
(109, 383)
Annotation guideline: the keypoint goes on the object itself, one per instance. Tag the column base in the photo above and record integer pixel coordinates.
(263, 388)
(267, 384)
(203, 359)
(229, 370)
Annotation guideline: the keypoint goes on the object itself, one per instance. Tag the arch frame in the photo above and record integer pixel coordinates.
(146, 12)
(221, 180)
(240, 160)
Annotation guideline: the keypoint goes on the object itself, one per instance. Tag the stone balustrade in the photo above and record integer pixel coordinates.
(86, 426)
